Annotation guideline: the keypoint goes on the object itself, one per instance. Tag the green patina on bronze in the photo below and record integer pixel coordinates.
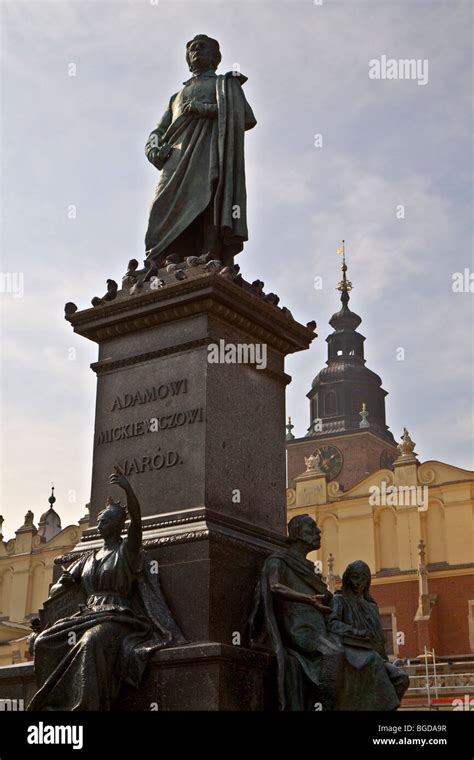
(105, 617)
(198, 145)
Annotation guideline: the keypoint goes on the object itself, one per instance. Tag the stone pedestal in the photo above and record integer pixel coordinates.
(206, 676)
(203, 445)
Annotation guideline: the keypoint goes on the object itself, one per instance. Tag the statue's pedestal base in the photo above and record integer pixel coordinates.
(205, 676)
(191, 406)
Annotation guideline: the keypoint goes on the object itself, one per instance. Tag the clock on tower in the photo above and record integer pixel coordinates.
(330, 461)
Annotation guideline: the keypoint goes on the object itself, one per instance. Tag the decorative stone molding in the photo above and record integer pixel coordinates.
(426, 474)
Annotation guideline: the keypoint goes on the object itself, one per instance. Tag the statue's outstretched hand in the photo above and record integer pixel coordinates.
(317, 601)
(152, 155)
(66, 578)
(117, 479)
(65, 581)
(152, 148)
(191, 108)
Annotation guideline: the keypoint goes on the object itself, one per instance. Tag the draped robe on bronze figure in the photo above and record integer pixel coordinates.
(205, 173)
(309, 660)
(81, 661)
(370, 681)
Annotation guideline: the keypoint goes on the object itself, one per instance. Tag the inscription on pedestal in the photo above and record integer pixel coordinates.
(158, 458)
(155, 393)
(150, 425)
(157, 461)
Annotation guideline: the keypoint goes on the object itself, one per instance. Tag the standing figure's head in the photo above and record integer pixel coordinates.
(202, 54)
(304, 529)
(111, 519)
(357, 578)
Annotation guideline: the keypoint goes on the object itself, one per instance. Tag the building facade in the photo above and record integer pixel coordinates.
(26, 572)
(412, 522)
(414, 526)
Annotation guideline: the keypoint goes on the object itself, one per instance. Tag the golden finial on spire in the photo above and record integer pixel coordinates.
(344, 286)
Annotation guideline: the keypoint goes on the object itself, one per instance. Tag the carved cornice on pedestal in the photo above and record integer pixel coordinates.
(204, 524)
(206, 291)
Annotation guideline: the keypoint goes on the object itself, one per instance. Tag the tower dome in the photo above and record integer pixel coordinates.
(50, 522)
(340, 389)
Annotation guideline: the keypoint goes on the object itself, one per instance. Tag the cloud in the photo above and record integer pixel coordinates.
(79, 140)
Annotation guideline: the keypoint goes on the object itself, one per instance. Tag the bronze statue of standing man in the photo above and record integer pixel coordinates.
(200, 200)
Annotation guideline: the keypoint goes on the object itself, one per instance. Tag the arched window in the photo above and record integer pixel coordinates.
(315, 410)
(37, 593)
(357, 401)
(330, 403)
(5, 591)
(388, 540)
(436, 533)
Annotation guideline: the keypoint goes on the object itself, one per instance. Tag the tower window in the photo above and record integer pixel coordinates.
(339, 353)
(315, 414)
(357, 401)
(330, 403)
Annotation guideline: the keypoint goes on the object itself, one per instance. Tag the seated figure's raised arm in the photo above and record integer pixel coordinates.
(134, 535)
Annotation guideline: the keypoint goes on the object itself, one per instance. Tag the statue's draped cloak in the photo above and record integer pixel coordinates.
(370, 681)
(81, 661)
(206, 164)
(297, 634)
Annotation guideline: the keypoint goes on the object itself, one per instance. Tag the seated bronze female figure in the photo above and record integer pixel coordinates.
(370, 681)
(83, 659)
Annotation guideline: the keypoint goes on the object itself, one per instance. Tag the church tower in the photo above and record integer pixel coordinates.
(347, 407)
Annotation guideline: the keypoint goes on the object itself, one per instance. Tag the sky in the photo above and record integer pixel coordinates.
(83, 84)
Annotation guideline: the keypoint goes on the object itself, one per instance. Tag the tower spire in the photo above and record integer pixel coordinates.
(50, 523)
(344, 286)
(341, 388)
